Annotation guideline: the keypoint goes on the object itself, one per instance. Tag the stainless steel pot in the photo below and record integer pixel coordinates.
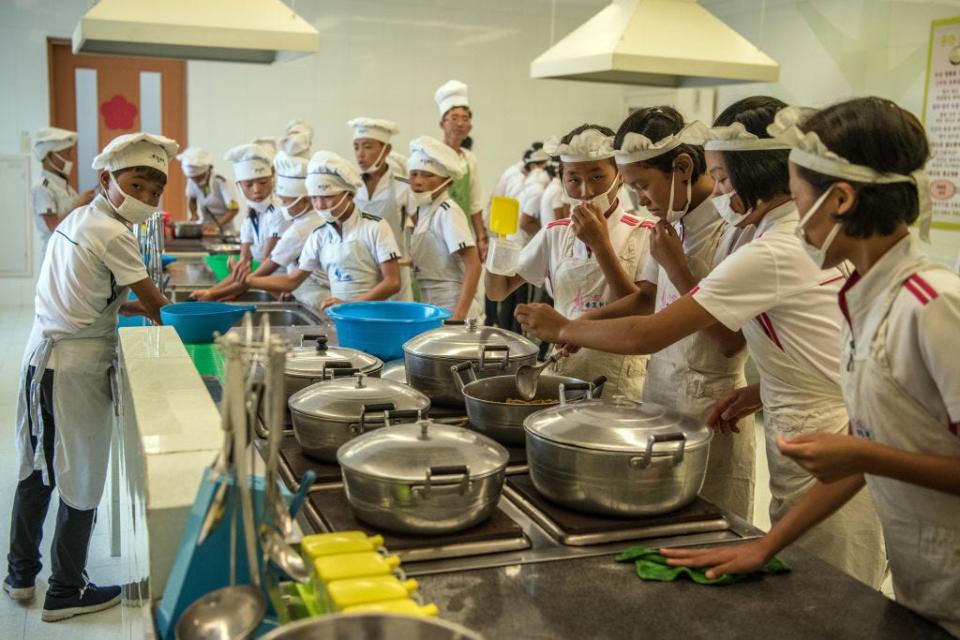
(307, 365)
(185, 230)
(491, 414)
(429, 356)
(617, 457)
(423, 477)
(394, 370)
(380, 626)
(328, 414)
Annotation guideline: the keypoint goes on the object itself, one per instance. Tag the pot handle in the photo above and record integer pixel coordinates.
(401, 414)
(329, 373)
(457, 371)
(642, 462)
(383, 408)
(598, 385)
(455, 323)
(487, 348)
(457, 474)
(576, 386)
(318, 337)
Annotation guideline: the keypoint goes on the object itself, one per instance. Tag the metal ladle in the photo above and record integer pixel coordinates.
(284, 556)
(231, 613)
(528, 376)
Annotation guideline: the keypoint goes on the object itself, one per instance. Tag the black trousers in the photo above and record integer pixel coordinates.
(71, 538)
(505, 319)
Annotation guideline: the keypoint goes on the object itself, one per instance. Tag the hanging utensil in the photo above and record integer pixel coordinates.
(230, 613)
(284, 556)
(528, 375)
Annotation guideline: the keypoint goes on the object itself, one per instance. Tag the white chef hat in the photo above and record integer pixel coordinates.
(429, 154)
(538, 155)
(328, 174)
(267, 142)
(589, 144)
(450, 95)
(291, 175)
(136, 150)
(637, 147)
(735, 137)
(809, 151)
(398, 163)
(298, 126)
(296, 144)
(373, 128)
(250, 161)
(52, 139)
(195, 161)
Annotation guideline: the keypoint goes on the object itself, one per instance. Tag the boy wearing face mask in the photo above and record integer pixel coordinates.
(65, 409)
(291, 194)
(253, 170)
(592, 258)
(53, 196)
(355, 251)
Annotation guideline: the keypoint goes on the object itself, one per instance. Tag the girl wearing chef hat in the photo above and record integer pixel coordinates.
(259, 229)
(591, 259)
(52, 195)
(383, 193)
(210, 197)
(856, 169)
(65, 409)
(446, 263)
(290, 190)
(785, 307)
(297, 139)
(456, 121)
(355, 251)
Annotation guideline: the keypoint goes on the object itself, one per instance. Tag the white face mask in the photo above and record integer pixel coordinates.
(261, 206)
(422, 198)
(67, 164)
(675, 215)
(378, 163)
(285, 211)
(132, 210)
(602, 202)
(329, 215)
(817, 254)
(724, 206)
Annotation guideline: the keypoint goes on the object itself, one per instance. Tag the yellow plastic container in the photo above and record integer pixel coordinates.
(404, 607)
(504, 215)
(354, 565)
(350, 593)
(325, 544)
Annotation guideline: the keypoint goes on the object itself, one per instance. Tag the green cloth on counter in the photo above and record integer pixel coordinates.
(650, 565)
(206, 358)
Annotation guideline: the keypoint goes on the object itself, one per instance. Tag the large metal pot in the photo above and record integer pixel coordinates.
(617, 457)
(187, 230)
(394, 370)
(423, 477)
(429, 356)
(379, 626)
(491, 414)
(307, 365)
(329, 413)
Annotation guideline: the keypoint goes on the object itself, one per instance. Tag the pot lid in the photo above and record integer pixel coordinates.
(310, 361)
(616, 425)
(395, 370)
(406, 452)
(343, 399)
(459, 341)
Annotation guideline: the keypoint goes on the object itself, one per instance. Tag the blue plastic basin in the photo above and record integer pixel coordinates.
(381, 328)
(198, 321)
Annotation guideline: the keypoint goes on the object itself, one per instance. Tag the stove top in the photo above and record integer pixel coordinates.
(575, 528)
(328, 510)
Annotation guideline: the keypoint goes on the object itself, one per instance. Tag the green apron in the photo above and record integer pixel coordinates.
(460, 191)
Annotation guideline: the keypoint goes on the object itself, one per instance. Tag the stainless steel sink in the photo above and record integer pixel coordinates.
(283, 314)
(256, 295)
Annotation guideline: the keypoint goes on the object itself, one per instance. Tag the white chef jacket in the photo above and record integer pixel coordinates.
(256, 229)
(351, 260)
(92, 255)
(773, 291)
(476, 194)
(51, 193)
(386, 202)
(214, 198)
(550, 201)
(442, 223)
(286, 252)
(509, 174)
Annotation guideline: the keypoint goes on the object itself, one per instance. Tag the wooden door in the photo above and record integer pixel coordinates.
(101, 97)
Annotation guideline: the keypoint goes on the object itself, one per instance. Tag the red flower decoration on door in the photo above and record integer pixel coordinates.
(119, 113)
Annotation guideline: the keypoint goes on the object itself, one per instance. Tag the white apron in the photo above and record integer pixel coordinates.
(378, 208)
(314, 290)
(346, 262)
(430, 255)
(690, 376)
(921, 526)
(82, 408)
(851, 538)
(625, 374)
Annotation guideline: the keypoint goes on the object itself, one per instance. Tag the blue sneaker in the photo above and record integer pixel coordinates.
(90, 599)
(19, 590)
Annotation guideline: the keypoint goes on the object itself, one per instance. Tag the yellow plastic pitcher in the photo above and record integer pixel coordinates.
(354, 565)
(504, 215)
(325, 544)
(405, 607)
(350, 593)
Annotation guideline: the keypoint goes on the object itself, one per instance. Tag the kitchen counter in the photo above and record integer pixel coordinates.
(598, 598)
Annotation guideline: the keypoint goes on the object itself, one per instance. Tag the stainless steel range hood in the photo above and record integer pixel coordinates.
(668, 43)
(260, 31)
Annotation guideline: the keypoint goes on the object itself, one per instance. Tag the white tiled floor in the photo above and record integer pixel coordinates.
(17, 621)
